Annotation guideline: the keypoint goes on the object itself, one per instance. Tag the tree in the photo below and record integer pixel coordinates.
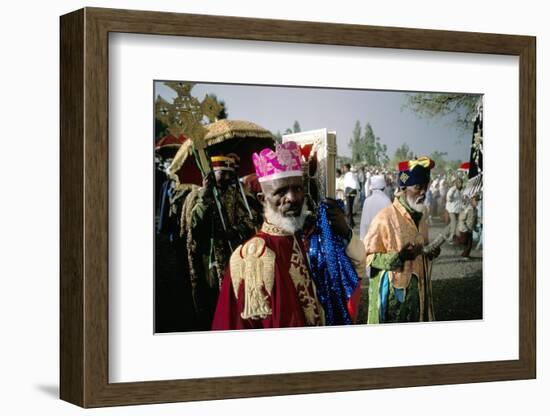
(367, 148)
(342, 160)
(402, 153)
(439, 159)
(381, 153)
(161, 129)
(278, 137)
(461, 107)
(295, 128)
(222, 114)
(355, 143)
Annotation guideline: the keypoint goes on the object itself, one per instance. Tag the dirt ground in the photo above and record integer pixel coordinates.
(456, 284)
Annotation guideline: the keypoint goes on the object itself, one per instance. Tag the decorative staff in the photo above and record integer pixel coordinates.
(184, 116)
(203, 163)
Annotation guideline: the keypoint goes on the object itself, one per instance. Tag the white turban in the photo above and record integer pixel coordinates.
(377, 182)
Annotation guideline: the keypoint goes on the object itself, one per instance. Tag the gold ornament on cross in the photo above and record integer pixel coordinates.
(186, 115)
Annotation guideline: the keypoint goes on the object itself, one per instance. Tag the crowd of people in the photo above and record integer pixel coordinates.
(369, 189)
(250, 247)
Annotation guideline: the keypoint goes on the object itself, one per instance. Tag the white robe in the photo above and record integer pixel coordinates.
(372, 206)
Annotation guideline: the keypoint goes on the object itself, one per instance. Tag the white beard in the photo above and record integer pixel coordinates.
(288, 224)
(416, 204)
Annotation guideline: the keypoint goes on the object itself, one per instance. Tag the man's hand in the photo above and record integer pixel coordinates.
(434, 253)
(337, 218)
(410, 252)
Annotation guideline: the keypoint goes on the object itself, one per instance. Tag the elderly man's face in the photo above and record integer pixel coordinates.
(415, 196)
(285, 196)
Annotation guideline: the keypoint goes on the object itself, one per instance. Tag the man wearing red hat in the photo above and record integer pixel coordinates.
(398, 253)
(268, 283)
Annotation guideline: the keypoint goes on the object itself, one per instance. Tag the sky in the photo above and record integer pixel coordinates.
(277, 107)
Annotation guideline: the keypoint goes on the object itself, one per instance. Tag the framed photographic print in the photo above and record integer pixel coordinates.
(200, 256)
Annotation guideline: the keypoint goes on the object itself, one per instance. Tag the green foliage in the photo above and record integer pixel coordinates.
(222, 114)
(366, 148)
(295, 128)
(381, 152)
(462, 108)
(278, 137)
(342, 160)
(368, 154)
(439, 159)
(161, 129)
(355, 143)
(402, 153)
(442, 165)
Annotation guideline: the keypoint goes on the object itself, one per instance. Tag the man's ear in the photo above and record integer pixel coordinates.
(261, 197)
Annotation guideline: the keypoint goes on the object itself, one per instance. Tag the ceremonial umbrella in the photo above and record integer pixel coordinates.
(183, 168)
(168, 145)
(240, 137)
(222, 137)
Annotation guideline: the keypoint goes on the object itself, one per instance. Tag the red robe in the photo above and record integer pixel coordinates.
(268, 285)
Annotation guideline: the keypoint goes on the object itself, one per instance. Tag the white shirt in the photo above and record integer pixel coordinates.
(454, 200)
(350, 181)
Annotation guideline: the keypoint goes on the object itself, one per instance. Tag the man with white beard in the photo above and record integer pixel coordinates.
(400, 286)
(268, 283)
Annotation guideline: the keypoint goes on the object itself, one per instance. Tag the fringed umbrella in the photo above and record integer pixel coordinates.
(222, 137)
(240, 137)
(183, 168)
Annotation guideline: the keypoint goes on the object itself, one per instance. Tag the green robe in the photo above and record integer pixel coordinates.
(208, 251)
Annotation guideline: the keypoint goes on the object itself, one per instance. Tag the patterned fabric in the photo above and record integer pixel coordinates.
(250, 299)
(223, 163)
(415, 172)
(391, 230)
(281, 163)
(333, 271)
(253, 265)
(207, 250)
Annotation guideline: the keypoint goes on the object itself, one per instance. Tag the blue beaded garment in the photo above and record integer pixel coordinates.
(332, 271)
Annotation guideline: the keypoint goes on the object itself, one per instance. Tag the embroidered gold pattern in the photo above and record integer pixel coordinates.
(256, 266)
(274, 230)
(404, 177)
(304, 286)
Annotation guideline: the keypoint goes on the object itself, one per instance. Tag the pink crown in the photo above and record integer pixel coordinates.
(281, 163)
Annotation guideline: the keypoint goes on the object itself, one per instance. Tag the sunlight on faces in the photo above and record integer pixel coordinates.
(283, 200)
(416, 195)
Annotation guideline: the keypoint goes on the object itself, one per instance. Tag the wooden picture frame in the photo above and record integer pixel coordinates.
(84, 207)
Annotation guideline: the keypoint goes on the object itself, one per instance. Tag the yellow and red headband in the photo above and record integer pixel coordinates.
(415, 172)
(223, 163)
